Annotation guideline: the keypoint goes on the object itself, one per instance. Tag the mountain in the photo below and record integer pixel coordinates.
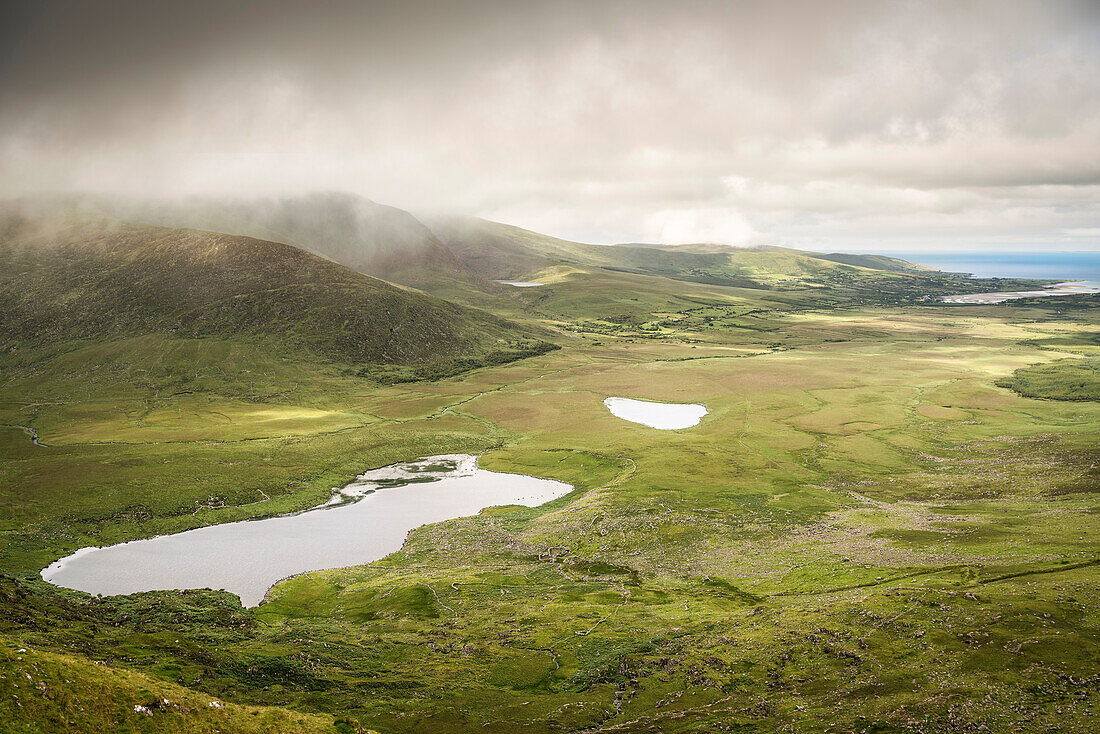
(874, 262)
(458, 258)
(507, 252)
(504, 252)
(86, 277)
(375, 239)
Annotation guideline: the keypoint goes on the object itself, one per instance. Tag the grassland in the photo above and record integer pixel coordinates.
(1066, 379)
(865, 529)
(866, 533)
(68, 693)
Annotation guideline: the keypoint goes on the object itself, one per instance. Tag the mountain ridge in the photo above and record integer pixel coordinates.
(94, 278)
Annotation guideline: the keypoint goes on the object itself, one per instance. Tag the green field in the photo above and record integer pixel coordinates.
(887, 521)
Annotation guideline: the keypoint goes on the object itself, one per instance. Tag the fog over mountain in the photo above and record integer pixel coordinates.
(835, 125)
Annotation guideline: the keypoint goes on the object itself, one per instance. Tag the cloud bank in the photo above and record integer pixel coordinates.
(830, 125)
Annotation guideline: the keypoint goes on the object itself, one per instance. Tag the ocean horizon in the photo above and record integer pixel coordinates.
(1044, 265)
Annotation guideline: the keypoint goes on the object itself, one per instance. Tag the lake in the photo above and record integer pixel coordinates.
(363, 522)
(665, 416)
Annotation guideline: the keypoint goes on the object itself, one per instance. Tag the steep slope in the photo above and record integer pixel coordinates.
(501, 251)
(375, 239)
(70, 693)
(95, 279)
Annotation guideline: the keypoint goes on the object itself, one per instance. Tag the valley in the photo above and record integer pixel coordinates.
(884, 522)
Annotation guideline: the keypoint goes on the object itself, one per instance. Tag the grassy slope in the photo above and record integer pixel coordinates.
(48, 692)
(503, 251)
(876, 262)
(378, 240)
(100, 280)
(372, 238)
(865, 532)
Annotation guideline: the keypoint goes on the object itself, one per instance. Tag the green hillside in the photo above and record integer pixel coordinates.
(458, 258)
(876, 526)
(50, 692)
(875, 262)
(865, 532)
(97, 279)
(375, 239)
(507, 252)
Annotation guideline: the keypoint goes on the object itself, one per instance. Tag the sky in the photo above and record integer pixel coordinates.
(872, 126)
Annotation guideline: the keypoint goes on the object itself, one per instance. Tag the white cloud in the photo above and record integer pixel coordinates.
(717, 225)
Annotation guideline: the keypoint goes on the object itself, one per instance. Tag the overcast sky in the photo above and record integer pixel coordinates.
(828, 125)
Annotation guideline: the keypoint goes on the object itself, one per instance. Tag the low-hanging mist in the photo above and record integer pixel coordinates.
(826, 125)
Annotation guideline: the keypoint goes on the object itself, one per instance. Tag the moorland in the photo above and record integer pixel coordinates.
(886, 522)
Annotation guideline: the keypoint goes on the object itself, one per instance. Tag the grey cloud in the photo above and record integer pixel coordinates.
(602, 121)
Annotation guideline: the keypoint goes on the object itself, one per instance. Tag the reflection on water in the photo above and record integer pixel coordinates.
(666, 416)
(363, 522)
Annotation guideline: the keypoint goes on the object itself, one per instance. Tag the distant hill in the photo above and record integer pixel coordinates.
(874, 262)
(92, 278)
(458, 258)
(870, 262)
(503, 251)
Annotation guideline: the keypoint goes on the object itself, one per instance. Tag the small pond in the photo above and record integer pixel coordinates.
(518, 283)
(666, 416)
(363, 522)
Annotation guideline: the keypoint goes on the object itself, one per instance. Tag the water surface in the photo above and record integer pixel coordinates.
(518, 283)
(363, 522)
(1016, 264)
(666, 416)
(1057, 289)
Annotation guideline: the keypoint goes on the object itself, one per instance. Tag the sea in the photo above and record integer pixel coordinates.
(1044, 265)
